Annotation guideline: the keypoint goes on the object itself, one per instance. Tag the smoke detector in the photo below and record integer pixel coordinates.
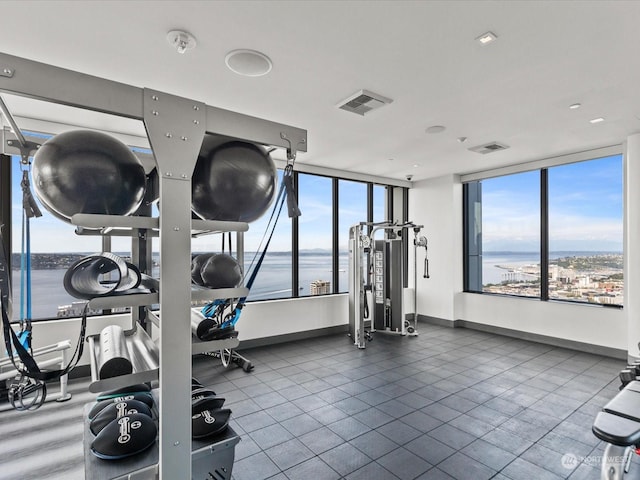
(181, 41)
(363, 101)
(489, 148)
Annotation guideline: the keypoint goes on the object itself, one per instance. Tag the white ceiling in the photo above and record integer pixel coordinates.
(422, 54)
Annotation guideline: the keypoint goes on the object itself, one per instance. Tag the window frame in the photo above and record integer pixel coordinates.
(472, 193)
(6, 183)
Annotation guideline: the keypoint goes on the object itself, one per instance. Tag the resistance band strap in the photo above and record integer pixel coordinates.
(29, 204)
(276, 211)
(30, 210)
(286, 191)
(31, 367)
(208, 310)
(5, 278)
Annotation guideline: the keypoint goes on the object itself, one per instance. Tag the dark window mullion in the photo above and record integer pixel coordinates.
(335, 248)
(295, 246)
(5, 203)
(544, 234)
(405, 239)
(370, 203)
(472, 244)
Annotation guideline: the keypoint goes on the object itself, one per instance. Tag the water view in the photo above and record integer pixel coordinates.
(593, 277)
(50, 300)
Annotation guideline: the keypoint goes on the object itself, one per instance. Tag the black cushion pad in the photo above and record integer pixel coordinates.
(625, 404)
(124, 437)
(144, 397)
(206, 403)
(210, 422)
(635, 386)
(201, 393)
(616, 430)
(117, 410)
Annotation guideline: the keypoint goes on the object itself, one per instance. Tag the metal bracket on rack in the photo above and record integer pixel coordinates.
(176, 128)
(292, 150)
(25, 147)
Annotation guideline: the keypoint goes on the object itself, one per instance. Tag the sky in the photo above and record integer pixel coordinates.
(50, 234)
(585, 208)
(585, 214)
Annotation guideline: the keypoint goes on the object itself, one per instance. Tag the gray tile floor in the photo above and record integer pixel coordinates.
(451, 403)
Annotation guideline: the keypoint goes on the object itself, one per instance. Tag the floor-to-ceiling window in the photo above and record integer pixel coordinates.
(315, 244)
(585, 231)
(511, 234)
(554, 233)
(352, 209)
(55, 245)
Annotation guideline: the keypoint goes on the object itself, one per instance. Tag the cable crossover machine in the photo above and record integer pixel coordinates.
(377, 266)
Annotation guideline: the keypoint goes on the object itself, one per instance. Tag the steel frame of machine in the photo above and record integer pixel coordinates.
(377, 266)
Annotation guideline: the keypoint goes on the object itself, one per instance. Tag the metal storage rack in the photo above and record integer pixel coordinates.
(210, 459)
(142, 349)
(177, 128)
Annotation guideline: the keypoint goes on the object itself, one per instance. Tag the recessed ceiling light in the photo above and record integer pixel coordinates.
(486, 38)
(248, 63)
(416, 165)
(436, 129)
(575, 106)
(596, 120)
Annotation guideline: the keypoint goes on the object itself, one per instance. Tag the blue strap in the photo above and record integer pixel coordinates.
(276, 210)
(211, 309)
(29, 209)
(23, 269)
(28, 270)
(25, 338)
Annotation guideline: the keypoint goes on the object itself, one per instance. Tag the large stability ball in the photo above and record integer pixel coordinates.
(236, 182)
(216, 270)
(197, 263)
(83, 171)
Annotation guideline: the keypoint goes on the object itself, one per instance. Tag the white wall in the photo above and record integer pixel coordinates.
(280, 317)
(590, 324)
(437, 203)
(632, 247)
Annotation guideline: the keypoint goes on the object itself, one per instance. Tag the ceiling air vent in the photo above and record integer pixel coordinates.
(363, 102)
(489, 147)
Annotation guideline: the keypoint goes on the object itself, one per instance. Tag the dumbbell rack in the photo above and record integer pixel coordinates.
(176, 129)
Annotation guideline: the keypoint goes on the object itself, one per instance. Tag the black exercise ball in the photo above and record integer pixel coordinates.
(236, 182)
(197, 263)
(221, 271)
(83, 171)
